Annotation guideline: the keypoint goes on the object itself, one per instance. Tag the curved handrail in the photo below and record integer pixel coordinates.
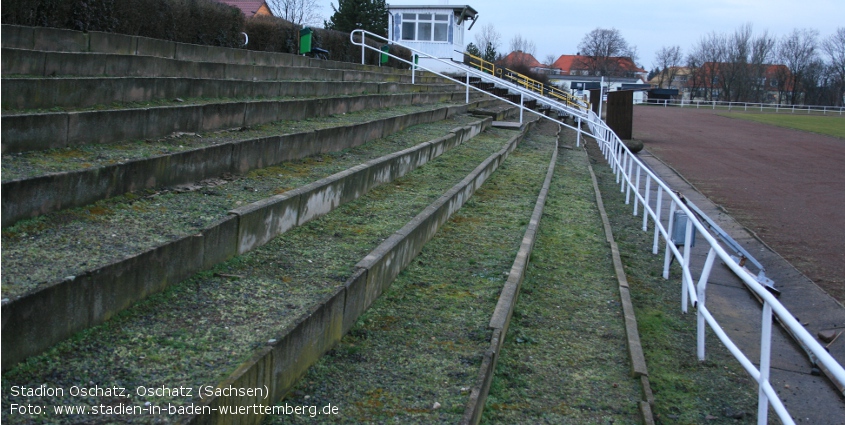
(464, 69)
(623, 162)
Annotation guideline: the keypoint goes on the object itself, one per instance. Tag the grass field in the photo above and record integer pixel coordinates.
(831, 125)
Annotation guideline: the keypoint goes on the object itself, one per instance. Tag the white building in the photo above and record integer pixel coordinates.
(438, 30)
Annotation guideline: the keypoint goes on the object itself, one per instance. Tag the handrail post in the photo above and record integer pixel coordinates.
(363, 47)
(686, 267)
(765, 360)
(668, 258)
(658, 210)
(637, 192)
(646, 202)
(467, 92)
(578, 138)
(702, 293)
(521, 106)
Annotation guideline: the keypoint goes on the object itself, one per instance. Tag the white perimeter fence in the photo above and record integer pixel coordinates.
(748, 107)
(638, 180)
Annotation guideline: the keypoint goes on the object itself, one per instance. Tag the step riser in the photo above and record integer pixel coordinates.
(62, 40)
(44, 317)
(21, 133)
(280, 365)
(50, 64)
(26, 93)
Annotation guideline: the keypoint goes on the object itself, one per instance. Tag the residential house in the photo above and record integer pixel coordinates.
(437, 30)
(576, 74)
(767, 84)
(250, 8)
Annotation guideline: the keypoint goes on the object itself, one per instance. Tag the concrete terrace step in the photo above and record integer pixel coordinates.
(54, 64)
(40, 182)
(73, 92)
(122, 250)
(284, 303)
(424, 341)
(27, 132)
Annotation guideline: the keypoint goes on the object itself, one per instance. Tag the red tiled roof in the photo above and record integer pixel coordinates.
(518, 57)
(248, 7)
(567, 63)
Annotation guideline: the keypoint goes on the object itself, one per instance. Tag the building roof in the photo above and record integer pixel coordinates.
(249, 8)
(566, 63)
(520, 58)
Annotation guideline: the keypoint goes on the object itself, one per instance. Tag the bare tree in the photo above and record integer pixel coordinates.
(669, 60)
(300, 12)
(524, 45)
(798, 51)
(550, 60)
(601, 49)
(487, 40)
(834, 47)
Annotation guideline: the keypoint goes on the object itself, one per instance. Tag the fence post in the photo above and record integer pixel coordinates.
(702, 291)
(363, 48)
(668, 258)
(765, 358)
(658, 209)
(686, 268)
(637, 191)
(521, 106)
(578, 139)
(646, 202)
(467, 95)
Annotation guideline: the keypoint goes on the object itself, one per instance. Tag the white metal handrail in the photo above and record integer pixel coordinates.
(747, 106)
(629, 172)
(468, 72)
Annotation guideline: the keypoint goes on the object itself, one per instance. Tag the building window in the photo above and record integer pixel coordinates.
(425, 27)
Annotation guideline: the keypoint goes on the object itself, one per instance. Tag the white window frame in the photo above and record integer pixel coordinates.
(417, 23)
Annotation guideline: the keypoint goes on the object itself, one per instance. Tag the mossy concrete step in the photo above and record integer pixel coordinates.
(72, 92)
(156, 241)
(63, 40)
(282, 305)
(415, 355)
(41, 182)
(58, 64)
(39, 131)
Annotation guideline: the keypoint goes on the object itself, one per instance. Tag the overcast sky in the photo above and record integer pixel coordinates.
(557, 26)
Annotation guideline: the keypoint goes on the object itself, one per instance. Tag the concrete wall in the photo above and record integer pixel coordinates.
(41, 318)
(284, 361)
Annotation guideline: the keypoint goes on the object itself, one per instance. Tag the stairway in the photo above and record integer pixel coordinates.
(217, 219)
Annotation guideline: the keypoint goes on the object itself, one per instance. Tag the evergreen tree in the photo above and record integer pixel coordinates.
(349, 15)
(473, 50)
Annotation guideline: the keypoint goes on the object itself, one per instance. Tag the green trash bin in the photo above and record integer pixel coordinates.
(304, 41)
(384, 51)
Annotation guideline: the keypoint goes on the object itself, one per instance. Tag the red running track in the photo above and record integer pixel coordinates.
(788, 186)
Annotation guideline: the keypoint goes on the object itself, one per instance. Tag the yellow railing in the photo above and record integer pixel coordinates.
(524, 81)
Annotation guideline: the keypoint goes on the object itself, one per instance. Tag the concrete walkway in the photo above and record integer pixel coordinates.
(809, 398)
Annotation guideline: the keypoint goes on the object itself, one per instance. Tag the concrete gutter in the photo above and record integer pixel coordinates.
(635, 348)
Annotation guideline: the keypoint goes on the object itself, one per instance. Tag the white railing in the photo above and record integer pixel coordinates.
(578, 113)
(746, 106)
(630, 172)
(634, 177)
